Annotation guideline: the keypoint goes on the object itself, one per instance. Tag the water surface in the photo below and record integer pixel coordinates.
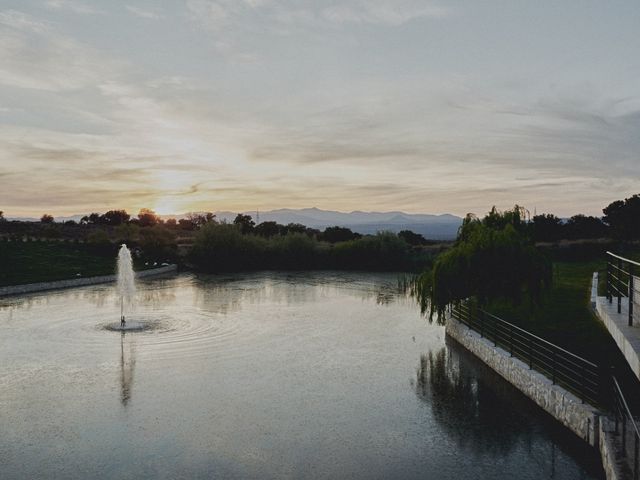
(315, 375)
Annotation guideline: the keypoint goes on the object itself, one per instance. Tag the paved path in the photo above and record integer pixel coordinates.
(627, 338)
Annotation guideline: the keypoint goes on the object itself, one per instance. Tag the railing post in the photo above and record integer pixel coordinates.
(481, 315)
(530, 355)
(624, 434)
(619, 286)
(495, 332)
(631, 288)
(553, 377)
(635, 455)
(582, 384)
(511, 339)
(609, 294)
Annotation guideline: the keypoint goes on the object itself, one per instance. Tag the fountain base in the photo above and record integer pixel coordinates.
(130, 326)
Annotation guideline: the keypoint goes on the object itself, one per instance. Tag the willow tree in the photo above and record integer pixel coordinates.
(492, 258)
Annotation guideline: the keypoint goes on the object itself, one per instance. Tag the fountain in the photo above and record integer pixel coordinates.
(126, 288)
(126, 281)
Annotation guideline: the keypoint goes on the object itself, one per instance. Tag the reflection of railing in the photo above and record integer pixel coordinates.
(572, 372)
(622, 283)
(626, 428)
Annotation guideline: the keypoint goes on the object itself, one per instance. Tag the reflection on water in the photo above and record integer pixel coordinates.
(267, 375)
(127, 366)
(486, 415)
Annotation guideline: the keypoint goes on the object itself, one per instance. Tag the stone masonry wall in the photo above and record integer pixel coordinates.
(580, 418)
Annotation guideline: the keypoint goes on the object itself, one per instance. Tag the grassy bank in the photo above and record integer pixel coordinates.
(32, 262)
(564, 316)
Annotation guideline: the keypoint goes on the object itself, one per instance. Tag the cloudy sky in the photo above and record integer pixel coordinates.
(433, 107)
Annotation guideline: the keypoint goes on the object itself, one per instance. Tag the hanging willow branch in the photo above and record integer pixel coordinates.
(492, 258)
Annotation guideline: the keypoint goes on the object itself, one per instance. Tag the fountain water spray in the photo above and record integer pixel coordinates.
(126, 280)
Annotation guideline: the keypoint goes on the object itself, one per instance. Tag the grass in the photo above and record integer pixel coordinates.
(564, 316)
(32, 262)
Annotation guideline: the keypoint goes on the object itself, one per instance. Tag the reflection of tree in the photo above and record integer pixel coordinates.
(484, 414)
(127, 366)
(475, 413)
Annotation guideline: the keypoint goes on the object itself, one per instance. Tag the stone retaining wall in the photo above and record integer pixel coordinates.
(78, 282)
(580, 418)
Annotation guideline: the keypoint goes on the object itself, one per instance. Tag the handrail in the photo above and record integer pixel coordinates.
(623, 259)
(573, 372)
(540, 339)
(623, 414)
(622, 283)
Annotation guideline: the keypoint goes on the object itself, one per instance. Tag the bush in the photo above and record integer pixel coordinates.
(222, 247)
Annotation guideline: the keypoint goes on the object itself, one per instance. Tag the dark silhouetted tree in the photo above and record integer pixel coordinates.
(115, 217)
(200, 219)
(268, 229)
(412, 238)
(547, 228)
(623, 216)
(295, 228)
(245, 223)
(338, 234)
(46, 218)
(582, 226)
(147, 218)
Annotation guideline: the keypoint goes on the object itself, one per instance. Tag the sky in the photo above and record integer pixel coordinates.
(375, 105)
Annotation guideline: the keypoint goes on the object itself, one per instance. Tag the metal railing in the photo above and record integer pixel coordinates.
(626, 428)
(572, 372)
(622, 283)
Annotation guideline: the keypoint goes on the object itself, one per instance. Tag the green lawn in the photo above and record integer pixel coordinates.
(31, 262)
(563, 315)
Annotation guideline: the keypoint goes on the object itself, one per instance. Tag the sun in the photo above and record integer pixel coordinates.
(168, 206)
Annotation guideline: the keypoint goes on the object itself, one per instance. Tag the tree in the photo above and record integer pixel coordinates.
(147, 218)
(245, 223)
(268, 229)
(115, 217)
(547, 228)
(581, 226)
(624, 218)
(94, 218)
(412, 238)
(338, 234)
(295, 228)
(46, 218)
(2, 219)
(492, 258)
(200, 219)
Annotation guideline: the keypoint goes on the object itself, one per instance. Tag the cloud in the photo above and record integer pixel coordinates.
(218, 14)
(22, 21)
(143, 13)
(36, 56)
(381, 12)
(73, 6)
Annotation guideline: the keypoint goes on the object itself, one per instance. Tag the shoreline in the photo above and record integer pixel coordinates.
(78, 282)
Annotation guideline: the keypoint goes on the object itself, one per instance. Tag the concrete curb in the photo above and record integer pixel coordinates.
(78, 282)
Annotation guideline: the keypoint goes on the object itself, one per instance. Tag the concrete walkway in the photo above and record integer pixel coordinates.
(627, 338)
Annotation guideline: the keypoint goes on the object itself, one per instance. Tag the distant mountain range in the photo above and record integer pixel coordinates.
(437, 227)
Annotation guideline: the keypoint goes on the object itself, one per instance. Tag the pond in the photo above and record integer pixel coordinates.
(268, 375)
